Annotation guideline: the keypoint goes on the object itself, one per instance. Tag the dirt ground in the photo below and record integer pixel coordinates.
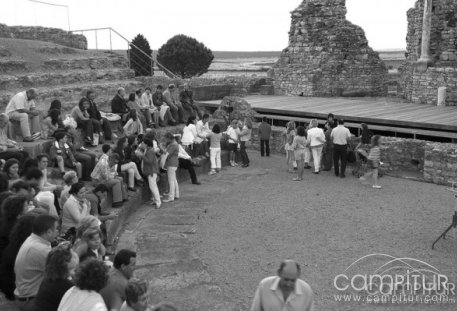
(325, 223)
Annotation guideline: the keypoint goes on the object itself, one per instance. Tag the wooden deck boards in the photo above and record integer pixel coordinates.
(368, 110)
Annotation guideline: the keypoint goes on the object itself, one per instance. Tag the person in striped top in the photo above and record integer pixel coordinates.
(374, 160)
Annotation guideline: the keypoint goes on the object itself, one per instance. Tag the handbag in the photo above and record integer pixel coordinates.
(70, 122)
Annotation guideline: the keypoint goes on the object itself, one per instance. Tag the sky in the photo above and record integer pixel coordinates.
(229, 25)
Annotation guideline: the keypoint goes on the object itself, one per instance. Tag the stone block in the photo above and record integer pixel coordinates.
(267, 90)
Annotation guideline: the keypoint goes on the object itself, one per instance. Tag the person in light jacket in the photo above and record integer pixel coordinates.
(316, 140)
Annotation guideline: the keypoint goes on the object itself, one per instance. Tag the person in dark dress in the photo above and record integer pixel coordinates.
(60, 266)
(119, 105)
(95, 114)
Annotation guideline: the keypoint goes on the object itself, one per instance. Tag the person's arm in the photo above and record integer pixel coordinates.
(74, 212)
(257, 301)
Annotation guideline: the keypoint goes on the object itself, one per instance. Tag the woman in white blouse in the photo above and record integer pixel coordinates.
(189, 134)
(75, 208)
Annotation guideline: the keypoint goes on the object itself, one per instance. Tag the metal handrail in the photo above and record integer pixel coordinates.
(162, 67)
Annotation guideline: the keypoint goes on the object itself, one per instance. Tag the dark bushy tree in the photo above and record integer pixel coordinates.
(185, 56)
(138, 61)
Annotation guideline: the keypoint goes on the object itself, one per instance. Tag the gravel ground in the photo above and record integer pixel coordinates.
(325, 223)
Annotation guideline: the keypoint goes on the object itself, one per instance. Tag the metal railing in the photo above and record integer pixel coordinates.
(153, 60)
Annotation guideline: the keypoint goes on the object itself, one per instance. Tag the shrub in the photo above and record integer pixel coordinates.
(138, 61)
(185, 56)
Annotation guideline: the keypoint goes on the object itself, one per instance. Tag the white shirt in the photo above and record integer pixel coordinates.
(233, 134)
(76, 299)
(202, 131)
(189, 133)
(183, 154)
(19, 101)
(316, 136)
(340, 135)
(146, 101)
(269, 297)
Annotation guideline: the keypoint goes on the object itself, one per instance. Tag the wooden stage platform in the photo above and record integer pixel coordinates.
(385, 112)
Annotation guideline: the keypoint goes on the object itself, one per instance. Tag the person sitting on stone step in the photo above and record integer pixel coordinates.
(171, 97)
(22, 108)
(133, 105)
(95, 115)
(91, 127)
(62, 155)
(162, 107)
(187, 100)
(9, 148)
(148, 109)
(119, 105)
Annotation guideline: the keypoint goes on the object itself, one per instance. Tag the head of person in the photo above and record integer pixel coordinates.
(33, 174)
(90, 95)
(186, 86)
(138, 92)
(28, 164)
(77, 190)
(125, 261)
(289, 271)
(216, 129)
(13, 207)
(364, 127)
(171, 86)
(313, 123)
(106, 149)
(20, 187)
(55, 105)
(132, 140)
(301, 131)
(22, 229)
(340, 122)
(101, 190)
(4, 184)
(148, 90)
(45, 226)
(11, 168)
(31, 94)
(91, 275)
(169, 138)
(133, 114)
(150, 134)
(3, 196)
(290, 126)
(248, 123)
(132, 97)
(61, 137)
(43, 161)
(191, 120)
(93, 238)
(330, 117)
(177, 138)
(234, 123)
(136, 294)
(121, 92)
(148, 141)
(84, 104)
(264, 119)
(70, 178)
(140, 137)
(159, 89)
(205, 118)
(87, 222)
(61, 262)
(376, 141)
(54, 114)
(4, 119)
(121, 143)
(113, 159)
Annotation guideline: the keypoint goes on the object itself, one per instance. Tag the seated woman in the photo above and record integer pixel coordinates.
(60, 268)
(11, 169)
(91, 127)
(91, 245)
(50, 124)
(124, 166)
(63, 155)
(57, 105)
(86, 157)
(69, 178)
(133, 125)
(9, 148)
(75, 208)
(133, 105)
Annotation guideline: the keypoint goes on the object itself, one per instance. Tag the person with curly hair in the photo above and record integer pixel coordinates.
(136, 294)
(60, 267)
(90, 277)
(13, 207)
(11, 169)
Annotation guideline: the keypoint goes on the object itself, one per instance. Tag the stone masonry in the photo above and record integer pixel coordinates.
(327, 55)
(420, 86)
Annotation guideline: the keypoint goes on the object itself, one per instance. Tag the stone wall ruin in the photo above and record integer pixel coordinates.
(327, 55)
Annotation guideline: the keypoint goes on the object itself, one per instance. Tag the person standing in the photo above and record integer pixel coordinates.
(316, 140)
(94, 113)
(284, 291)
(327, 152)
(30, 261)
(245, 136)
(340, 136)
(264, 136)
(171, 160)
(299, 147)
(21, 108)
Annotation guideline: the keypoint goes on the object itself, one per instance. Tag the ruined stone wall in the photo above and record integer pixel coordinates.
(422, 88)
(327, 55)
(53, 35)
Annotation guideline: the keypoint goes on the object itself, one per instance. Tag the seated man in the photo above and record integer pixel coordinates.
(95, 114)
(147, 108)
(187, 100)
(171, 97)
(136, 296)
(62, 154)
(46, 186)
(9, 148)
(114, 292)
(164, 110)
(119, 104)
(106, 172)
(22, 108)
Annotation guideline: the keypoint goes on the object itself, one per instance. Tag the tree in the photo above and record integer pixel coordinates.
(138, 60)
(185, 56)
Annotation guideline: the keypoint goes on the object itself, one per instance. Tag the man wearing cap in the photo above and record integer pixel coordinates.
(21, 108)
(284, 291)
(171, 97)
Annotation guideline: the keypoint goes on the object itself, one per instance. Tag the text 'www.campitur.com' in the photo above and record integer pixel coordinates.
(396, 299)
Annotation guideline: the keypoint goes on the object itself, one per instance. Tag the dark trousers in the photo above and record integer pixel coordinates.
(265, 147)
(192, 108)
(187, 164)
(106, 128)
(340, 152)
(87, 160)
(243, 153)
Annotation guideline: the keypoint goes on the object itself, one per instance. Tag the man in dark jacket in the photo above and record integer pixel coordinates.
(159, 102)
(95, 114)
(187, 99)
(119, 104)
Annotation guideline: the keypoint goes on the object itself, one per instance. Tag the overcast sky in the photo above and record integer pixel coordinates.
(229, 25)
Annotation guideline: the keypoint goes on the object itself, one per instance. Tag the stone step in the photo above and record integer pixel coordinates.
(70, 94)
(41, 79)
(109, 61)
(8, 65)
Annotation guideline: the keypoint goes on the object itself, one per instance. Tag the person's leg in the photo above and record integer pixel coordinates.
(96, 125)
(344, 156)
(316, 158)
(147, 116)
(375, 177)
(116, 189)
(93, 158)
(336, 159)
(60, 164)
(86, 162)
(23, 119)
(175, 180)
(152, 180)
(79, 169)
(123, 187)
(171, 174)
(156, 117)
(267, 147)
(35, 124)
(262, 146)
(106, 127)
(134, 168)
(218, 159)
(300, 168)
(307, 157)
(131, 178)
(212, 157)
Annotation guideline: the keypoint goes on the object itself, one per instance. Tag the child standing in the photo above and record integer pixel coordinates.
(264, 135)
(299, 146)
(215, 149)
(289, 135)
(172, 163)
(151, 169)
(374, 160)
(233, 133)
